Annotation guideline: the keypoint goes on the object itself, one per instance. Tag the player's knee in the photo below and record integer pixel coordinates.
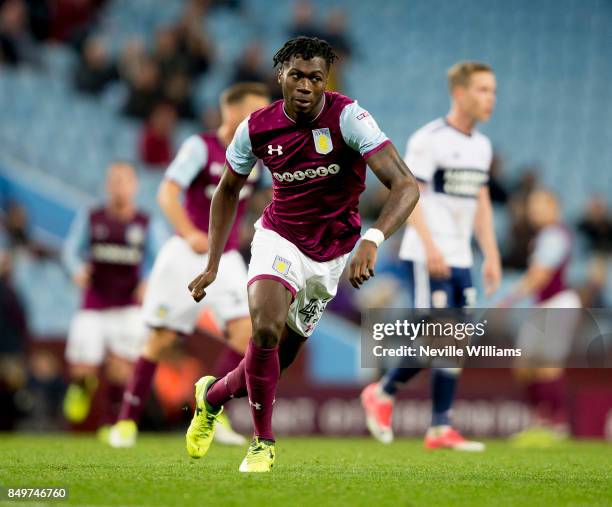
(118, 370)
(267, 336)
(159, 341)
(82, 371)
(239, 332)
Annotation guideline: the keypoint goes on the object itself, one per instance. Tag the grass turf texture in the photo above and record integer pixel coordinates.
(313, 472)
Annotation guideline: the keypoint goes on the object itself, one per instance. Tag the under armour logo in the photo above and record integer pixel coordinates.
(278, 150)
(257, 406)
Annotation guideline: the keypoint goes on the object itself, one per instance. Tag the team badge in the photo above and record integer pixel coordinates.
(135, 234)
(281, 265)
(162, 311)
(323, 141)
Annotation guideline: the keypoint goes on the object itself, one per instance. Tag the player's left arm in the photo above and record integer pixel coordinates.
(485, 235)
(361, 132)
(391, 170)
(239, 162)
(223, 209)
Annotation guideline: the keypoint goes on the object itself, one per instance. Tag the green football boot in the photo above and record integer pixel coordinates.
(202, 428)
(259, 457)
(77, 401)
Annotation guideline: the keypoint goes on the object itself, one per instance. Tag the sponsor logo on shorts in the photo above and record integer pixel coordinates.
(319, 172)
(281, 265)
(323, 141)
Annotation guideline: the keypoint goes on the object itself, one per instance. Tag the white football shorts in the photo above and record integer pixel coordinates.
(313, 284)
(168, 303)
(548, 336)
(93, 333)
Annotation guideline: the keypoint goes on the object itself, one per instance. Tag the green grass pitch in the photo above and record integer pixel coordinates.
(313, 472)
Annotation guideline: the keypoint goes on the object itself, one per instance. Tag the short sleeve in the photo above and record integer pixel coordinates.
(188, 162)
(551, 248)
(420, 158)
(360, 131)
(239, 155)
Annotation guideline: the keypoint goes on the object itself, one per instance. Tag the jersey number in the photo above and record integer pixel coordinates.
(313, 310)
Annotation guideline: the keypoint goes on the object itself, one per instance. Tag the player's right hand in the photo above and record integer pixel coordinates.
(436, 264)
(199, 283)
(198, 241)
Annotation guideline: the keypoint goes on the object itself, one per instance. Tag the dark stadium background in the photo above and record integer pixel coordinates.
(62, 122)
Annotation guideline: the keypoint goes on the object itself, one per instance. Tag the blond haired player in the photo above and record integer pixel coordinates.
(451, 160)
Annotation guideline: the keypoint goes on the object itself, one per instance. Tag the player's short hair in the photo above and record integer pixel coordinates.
(306, 48)
(461, 73)
(237, 92)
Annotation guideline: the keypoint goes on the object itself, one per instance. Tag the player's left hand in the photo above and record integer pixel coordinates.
(491, 274)
(199, 283)
(362, 263)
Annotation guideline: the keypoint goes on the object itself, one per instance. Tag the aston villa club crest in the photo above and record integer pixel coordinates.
(281, 265)
(323, 141)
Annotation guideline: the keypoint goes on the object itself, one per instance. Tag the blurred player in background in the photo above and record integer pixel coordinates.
(316, 145)
(451, 160)
(545, 282)
(168, 307)
(109, 252)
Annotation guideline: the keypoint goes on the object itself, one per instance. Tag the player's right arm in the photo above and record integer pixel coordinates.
(75, 249)
(239, 162)
(184, 168)
(420, 158)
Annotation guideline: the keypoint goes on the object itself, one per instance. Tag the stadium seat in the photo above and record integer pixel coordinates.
(552, 60)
